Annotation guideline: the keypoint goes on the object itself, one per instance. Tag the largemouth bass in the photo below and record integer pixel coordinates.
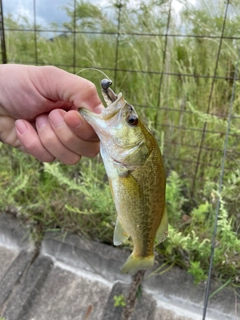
(135, 170)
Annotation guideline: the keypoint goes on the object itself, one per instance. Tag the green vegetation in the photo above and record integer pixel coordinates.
(119, 301)
(176, 108)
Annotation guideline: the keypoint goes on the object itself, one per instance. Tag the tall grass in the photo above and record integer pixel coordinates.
(68, 197)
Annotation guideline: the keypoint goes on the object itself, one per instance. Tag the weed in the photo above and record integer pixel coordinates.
(77, 198)
(119, 301)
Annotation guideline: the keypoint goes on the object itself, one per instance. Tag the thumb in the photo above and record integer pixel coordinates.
(59, 85)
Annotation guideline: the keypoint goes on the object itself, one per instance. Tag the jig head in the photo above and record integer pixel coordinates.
(108, 94)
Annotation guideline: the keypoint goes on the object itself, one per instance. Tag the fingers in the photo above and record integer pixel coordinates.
(74, 132)
(20, 134)
(30, 142)
(67, 143)
(61, 135)
(80, 126)
(49, 132)
(52, 143)
(7, 131)
(58, 85)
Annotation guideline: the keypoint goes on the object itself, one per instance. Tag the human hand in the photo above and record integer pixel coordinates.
(38, 113)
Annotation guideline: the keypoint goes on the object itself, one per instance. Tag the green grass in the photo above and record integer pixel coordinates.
(67, 197)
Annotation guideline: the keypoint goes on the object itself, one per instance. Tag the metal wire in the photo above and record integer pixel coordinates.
(35, 32)
(169, 35)
(2, 35)
(149, 72)
(119, 5)
(200, 144)
(219, 193)
(210, 98)
(74, 36)
(163, 64)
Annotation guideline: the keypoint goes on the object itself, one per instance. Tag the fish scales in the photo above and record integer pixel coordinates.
(139, 213)
(135, 170)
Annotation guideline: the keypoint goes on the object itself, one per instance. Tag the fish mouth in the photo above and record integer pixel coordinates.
(102, 122)
(113, 108)
(115, 102)
(109, 112)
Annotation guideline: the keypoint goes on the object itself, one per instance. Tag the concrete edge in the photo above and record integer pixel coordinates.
(13, 275)
(173, 290)
(14, 234)
(25, 293)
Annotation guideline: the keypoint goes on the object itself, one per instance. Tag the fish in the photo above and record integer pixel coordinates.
(135, 170)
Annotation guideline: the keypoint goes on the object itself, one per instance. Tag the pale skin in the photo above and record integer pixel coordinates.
(38, 113)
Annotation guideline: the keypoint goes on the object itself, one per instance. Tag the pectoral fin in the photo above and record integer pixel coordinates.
(120, 234)
(122, 171)
(162, 230)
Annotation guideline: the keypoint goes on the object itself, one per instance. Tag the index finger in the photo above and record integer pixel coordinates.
(80, 126)
(59, 85)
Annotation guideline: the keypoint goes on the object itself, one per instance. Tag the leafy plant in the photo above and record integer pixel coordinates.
(169, 83)
(192, 245)
(119, 301)
(175, 197)
(197, 272)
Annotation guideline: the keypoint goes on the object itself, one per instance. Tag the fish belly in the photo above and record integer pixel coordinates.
(139, 197)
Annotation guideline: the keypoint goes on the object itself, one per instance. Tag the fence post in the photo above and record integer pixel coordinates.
(2, 35)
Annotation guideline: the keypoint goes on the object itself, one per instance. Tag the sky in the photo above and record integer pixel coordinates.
(48, 11)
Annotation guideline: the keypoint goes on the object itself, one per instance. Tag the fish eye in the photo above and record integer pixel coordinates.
(132, 120)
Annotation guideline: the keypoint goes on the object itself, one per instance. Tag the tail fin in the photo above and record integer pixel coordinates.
(133, 264)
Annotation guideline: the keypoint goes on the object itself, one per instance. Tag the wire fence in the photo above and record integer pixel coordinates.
(161, 76)
(178, 72)
(2, 36)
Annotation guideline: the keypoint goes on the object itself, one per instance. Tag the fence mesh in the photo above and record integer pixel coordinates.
(176, 67)
(2, 36)
(183, 69)
(185, 98)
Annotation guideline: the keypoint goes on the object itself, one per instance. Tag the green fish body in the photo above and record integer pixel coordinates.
(135, 170)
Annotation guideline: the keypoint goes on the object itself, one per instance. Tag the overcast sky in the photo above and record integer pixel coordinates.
(48, 11)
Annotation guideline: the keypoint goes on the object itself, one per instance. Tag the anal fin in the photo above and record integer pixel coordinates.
(120, 234)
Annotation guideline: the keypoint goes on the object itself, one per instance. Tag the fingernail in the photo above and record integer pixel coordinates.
(76, 122)
(56, 117)
(21, 126)
(41, 121)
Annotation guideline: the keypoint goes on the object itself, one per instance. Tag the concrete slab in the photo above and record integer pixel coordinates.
(74, 278)
(70, 295)
(16, 253)
(162, 313)
(25, 293)
(90, 256)
(176, 291)
(6, 258)
(13, 275)
(145, 306)
(13, 233)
